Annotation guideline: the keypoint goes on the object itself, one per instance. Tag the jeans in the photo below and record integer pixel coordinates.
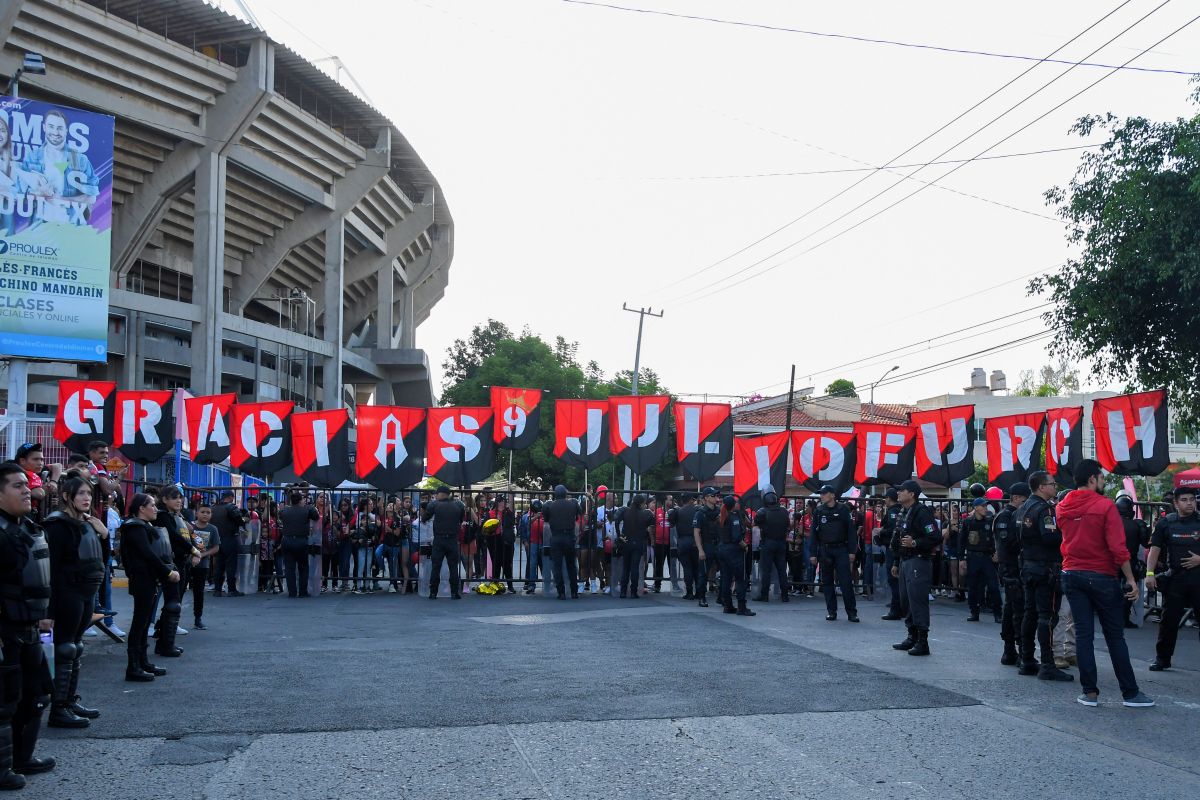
(362, 556)
(1091, 593)
(391, 557)
(104, 596)
(562, 563)
(631, 578)
(660, 557)
(343, 557)
(535, 560)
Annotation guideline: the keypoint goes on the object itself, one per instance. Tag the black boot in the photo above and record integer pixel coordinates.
(743, 611)
(80, 710)
(136, 672)
(157, 672)
(1010, 654)
(25, 742)
(61, 716)
(1049, 672)
(921, 646)
(8, 779)
(168, 624)
(908, 642)
(727, 606)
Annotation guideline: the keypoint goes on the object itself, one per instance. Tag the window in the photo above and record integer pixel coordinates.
(1183, 437)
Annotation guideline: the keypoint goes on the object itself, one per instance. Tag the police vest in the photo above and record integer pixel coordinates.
(685, 516)
(560, 515)
(731, 532)
(160, 545)
(1040, 539)
(1181, 540)
(88, 566)
(709, 522)
(1008, 541)
(775, 522)
(833, 525)
(977, 535)
(447, 516)
(25, 594)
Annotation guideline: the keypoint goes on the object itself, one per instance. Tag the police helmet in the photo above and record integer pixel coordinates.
(536, 505)
(730, 501)
(770, 497)
(560, 492)
(1124, 505)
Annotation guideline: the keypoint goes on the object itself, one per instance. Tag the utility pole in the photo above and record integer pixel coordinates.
(637, 364)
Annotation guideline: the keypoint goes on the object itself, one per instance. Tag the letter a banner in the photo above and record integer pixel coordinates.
(581, 432)
(459, 448)
(517, 416)
(759, 462)
(1014, 447)
(144, 425)
(1131, 433)
(703, 438)
(321, 446)
(85, 413)
(261, 437)
(885, 453)
(945, 444)
(823, 457)
(208, 427)
(637, 431)
(1064, 443)
(391, 446)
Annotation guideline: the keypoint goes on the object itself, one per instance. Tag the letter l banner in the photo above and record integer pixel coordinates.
(703, 438)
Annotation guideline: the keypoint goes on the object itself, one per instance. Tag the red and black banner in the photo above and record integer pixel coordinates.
(823, 457)
(1131, 433)
(1064, 443)
(208, 427)
(261, 437)
(459, 448)
(704, 438)
(85, 413)
(945, 451)
(581, 432)
(144, 425)
(321, 446)
(390, 454)
(759, 462)
(516, 415)
(1014, 447)
(884, 453)
(637, 431)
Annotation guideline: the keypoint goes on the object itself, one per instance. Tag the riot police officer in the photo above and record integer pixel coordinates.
(914, 541)
(448, 516)
(1041, 565)
(833, 531)
(1179, 537)
(688, 552)
(774, 523)
(1008, 551)
(887, 527)
(1137, 536)
(562, 517)
(732, 543)
(976, 541)
(24, 611)
(705, 531)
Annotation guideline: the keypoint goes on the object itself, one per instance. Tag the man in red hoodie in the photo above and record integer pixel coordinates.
(1094, 552)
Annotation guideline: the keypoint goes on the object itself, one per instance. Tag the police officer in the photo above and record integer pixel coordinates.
(774, 522)
(705, 532)
(1041, 565)
(887, 527)
(975, 539)
(688, 553)
(833, 532)
(1008, 566)
(1179, 537)
(562, 517)
(448, 516)
(1137, 536)
(732, 543)
(24, 611)
(914, 541)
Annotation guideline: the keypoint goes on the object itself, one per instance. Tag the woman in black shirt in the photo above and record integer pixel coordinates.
(147, 565)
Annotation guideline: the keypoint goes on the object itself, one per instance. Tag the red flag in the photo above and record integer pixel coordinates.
(637, 430)
(208, 427)
(261, 437)
(517, 416)
(581, 432)
(321, 446)
(1064, 443)
(1131, 433)
(945, 451)
(459, 447)
(144, 425)
(758, 462)
(1014, 447)
(85, 413)
(391, 446)
(823, 457)
(703, 438)
(884, 452)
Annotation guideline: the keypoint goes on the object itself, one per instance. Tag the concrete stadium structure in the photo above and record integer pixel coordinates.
(274, 235)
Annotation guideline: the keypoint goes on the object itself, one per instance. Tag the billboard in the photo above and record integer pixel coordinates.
(56, 167)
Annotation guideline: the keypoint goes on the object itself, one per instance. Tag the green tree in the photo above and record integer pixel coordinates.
(463, 359)
(1050, 381)
(841, 387)
(1126, 303)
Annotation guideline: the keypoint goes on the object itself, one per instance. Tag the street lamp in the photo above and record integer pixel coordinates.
(876, 383)
(33, 64)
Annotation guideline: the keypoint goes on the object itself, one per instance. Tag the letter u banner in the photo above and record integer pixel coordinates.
(1131, 433)
(391, 446)
(759, 462)
(638, 430)
(945, 451)
(581, 432)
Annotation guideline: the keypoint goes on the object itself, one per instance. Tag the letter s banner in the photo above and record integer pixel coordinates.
(459, 448)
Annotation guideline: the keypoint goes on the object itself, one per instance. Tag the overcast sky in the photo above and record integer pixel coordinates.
(593, 156)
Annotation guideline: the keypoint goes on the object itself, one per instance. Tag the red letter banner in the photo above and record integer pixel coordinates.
(261, 437)
(516, 415)
(208, 427)
(1064, 443)
(945, 444)
(391, 446)
(1131, 433)
(144, 425)
(823, 457)
(85, 413)
(321, 446)
(759, 462)
(581, 432)
(459, 448)
(884, 452)
(637, 433)
(1014, 447)
(703, 438)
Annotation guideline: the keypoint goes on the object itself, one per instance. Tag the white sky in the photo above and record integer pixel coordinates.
(569, 141)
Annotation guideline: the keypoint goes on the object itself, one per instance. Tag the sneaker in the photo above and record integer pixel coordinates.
(180, 631)
(1091, 700)
(1139, 700)
(116, 631)
(91, 631)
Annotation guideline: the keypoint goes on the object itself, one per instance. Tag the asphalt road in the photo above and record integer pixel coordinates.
(527, 697)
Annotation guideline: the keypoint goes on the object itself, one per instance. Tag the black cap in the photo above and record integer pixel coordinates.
(443, 489)
(709, 491)
(1019, 489)
(730, 501)
(978, 501)
(911, 486)
(827, 489)
(27, 448)
(891, 493)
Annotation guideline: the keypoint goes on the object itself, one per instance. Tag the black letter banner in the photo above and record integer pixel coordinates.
(703, 438)
(1064, 443)
(945, 444)
(637, 430)
(391, 446)
(759, 462)
(85, 413)
(885, 453)
(581, 432)
(459, 448)
(261, 437)
(823, 457)
(1014, 447)
(208, 427)
(516, 415)
(321, 446)
(144, 426)
(1131, 433)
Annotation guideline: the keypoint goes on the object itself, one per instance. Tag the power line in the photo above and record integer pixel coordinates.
(864, 39)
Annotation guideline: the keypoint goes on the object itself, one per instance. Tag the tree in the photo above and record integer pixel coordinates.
(1050, 381)
(463, 359)
(1126, 303)
(841, 387)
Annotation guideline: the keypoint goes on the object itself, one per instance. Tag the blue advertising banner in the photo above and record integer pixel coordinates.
(56, 167)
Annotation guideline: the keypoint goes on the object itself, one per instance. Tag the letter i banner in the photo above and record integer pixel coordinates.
(823, 457)
(261, 437)
(1064, 443)
(144, 425)
(581, 432)
(637, 431)
(703, 438)
(517, 416)
(85, 413)
(208, 427)
(391, 446)
(1014, 447)
(321, 446)
(945, 451)
(759, 462)
(1131, 433)
(459, 448)
(885, 453)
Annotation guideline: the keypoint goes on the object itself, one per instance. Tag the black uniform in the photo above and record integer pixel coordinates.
(774, 522)
(294, 523)
(1179, 538)
(689, 556)
(76, 572)
(179, 540)
(636, 532)
(833, 533)
(24, 674)
(447, 516)
(560, 516)
(228, 520)
(916, 562)
(146, 569)
(1041, 566)
(1137, 536)
(976, 540)
(1008, 552)
(731, 536)
(708, 521)
(887, 528)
